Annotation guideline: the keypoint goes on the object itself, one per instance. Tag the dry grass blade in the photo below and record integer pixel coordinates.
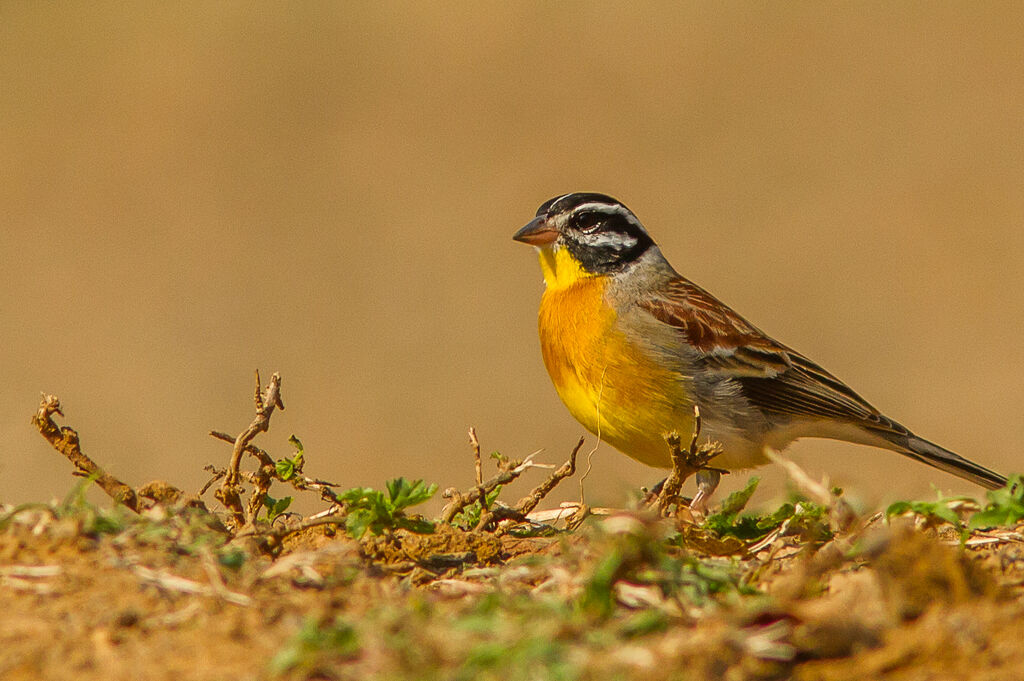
(173, 583)
(818, 492)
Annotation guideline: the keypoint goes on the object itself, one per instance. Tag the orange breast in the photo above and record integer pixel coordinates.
(607, 382)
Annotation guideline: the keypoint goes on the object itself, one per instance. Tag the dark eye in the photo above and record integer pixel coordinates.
(586, 222)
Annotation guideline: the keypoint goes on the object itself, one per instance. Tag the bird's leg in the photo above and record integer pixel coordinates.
(707, 482)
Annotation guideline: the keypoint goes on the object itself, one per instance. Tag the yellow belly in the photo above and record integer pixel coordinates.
(607, 383)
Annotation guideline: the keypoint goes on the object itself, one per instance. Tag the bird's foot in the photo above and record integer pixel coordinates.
(707, 483)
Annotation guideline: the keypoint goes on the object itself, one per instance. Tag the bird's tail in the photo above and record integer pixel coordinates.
(930, 453)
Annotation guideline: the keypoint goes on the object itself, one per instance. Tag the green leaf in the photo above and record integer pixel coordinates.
(928, 509)
(357, 522)
(417, 525)
(737, 501)
(403, 494)
(276, 507)
(357, 496)
(317, 646)
(1005, 506)
(285, 469)
(723, 522)
(289, 468)
(469, 517)
(938, 509)
(777, 517)
(375, 511)
(299, 457)
(231, 558)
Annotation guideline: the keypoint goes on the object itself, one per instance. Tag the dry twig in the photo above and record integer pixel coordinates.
(280, 531)
(476, 455)
(507, 472)
(229, 492)
(567, 469)
(65, 440)
(685, 463)
(265, 404)
(299, 481)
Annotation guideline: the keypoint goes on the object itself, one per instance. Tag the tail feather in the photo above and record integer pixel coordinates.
(932, 454)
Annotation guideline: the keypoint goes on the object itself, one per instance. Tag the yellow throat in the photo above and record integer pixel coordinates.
(560, 269)
(607, 382)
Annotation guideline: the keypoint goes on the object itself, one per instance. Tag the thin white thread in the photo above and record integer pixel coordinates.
(590, 454)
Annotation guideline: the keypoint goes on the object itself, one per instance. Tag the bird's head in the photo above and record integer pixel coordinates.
(584, 234)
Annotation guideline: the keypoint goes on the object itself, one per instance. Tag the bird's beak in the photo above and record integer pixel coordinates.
(537, 232)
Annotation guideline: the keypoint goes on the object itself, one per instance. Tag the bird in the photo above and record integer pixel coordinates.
(632, 347)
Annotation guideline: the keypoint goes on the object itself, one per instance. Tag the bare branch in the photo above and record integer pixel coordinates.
(476, 455)
(508, 473)
(530, 501)
(65, 440)
(281, 531)
(229, 492)
(300, 482)
(265, 405)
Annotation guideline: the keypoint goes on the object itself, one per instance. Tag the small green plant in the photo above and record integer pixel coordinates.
(726, 521)
(289, 468)
(378, 512)
(93, 519)
(1005, 505)
(805, 517)
(315, 648)
(528, 657)
(938, 510)
(469, 517)
(642, 557)
(275, 507)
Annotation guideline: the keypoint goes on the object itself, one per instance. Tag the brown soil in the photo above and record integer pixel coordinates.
(84, 602)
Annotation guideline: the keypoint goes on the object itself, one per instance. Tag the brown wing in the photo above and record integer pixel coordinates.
(772, 376)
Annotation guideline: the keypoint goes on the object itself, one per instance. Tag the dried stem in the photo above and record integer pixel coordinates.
(509, 471)
(567, 469)
(229, 492)
(300, 482)
(685, 463)
(280, 531)
(65, 440)
(265, 405)
(476, 455)
(261, 480)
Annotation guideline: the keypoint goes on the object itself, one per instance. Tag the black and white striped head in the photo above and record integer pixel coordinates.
(601, 234)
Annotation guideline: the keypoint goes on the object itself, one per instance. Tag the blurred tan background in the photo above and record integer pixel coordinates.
(191, 191)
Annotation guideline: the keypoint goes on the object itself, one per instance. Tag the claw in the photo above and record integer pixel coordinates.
(707, 483)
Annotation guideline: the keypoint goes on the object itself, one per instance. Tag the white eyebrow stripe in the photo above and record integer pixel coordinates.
(600, 207)
(611, 209)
